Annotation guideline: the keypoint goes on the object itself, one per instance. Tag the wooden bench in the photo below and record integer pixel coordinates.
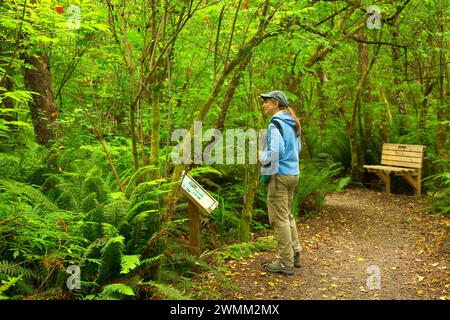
(403, 160)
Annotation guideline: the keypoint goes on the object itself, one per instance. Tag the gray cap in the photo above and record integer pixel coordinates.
(277, 95)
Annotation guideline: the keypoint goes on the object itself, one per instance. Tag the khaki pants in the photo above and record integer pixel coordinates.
(280, 192)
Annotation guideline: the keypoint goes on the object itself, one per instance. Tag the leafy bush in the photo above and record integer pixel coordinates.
(439, 187)
(314, 183)
(245, 249)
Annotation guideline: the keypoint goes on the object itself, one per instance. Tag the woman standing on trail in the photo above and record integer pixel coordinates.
(280, 163)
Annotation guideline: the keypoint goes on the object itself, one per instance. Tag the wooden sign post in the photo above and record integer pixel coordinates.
(198, 198)
(194, 228)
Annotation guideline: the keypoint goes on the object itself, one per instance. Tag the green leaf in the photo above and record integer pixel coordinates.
(111, 289)
(129, 262)
(19, 95)
(20, 124)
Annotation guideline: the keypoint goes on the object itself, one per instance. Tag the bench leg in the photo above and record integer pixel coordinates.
(416, 183)
(419, 185)
(388, 182)
(386, 178)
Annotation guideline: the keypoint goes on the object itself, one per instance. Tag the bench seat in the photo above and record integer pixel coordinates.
(374, 168)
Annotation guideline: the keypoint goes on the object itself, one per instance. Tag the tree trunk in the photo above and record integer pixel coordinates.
(7, 102)
(322, 101)
(249, 199)
(155, 134)
(363, 129)
(356, 170)
(398, 94)
(43, 107)
(443, 113)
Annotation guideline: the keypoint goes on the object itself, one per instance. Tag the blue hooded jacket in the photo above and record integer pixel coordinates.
(282, 150)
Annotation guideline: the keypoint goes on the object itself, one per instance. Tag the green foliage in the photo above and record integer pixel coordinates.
(111, 260)
(116, 291)
(14, 270)
(314, 183)
(439, 186)
(167, 292)
(333, 149)
(129, 262)
(62, 205)
(7, 284)
(244, 249)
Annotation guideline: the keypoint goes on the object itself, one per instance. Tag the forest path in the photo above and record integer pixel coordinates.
(358, 233)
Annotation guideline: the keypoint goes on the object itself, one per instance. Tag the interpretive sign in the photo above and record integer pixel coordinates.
(198, 198)
(197, 194)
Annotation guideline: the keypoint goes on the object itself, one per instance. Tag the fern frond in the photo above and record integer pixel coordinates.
(94, 184)
(37, 198)
(112, 291)
(152, 260)
(116, 211)
(14, 269)
(131, 181)
(68, 186)
(111, 259)
(129, 262)
(167, 292)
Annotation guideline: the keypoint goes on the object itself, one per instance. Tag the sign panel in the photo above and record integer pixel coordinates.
(199, 195)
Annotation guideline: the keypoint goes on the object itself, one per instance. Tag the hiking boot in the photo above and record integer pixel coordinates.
(278, 267)
(297, 260)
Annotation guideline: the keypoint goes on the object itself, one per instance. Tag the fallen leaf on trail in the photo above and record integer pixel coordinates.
(360, 259)
(419, 278)
(271, 284)
(419, 291)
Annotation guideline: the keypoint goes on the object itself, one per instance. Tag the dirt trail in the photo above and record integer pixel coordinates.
(359, 233)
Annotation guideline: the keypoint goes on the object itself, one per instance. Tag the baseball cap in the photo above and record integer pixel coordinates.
(278, 95)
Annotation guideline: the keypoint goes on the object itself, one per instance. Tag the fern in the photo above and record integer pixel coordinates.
(152, 260)
(129, 262)
(314, 182)
(116, 211)
(89, 202)
(68, 187)
(111, 260)
(7, 284)
(165, 291)
(34, 196)
(94, 184)
(132, 180)
(15, 270)
(115, 290)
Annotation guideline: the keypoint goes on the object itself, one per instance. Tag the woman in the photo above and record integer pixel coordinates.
(281, 161)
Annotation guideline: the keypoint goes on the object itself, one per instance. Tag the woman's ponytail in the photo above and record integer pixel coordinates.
(298, 126)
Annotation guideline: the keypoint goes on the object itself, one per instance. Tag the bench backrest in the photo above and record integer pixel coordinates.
(402, 155)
